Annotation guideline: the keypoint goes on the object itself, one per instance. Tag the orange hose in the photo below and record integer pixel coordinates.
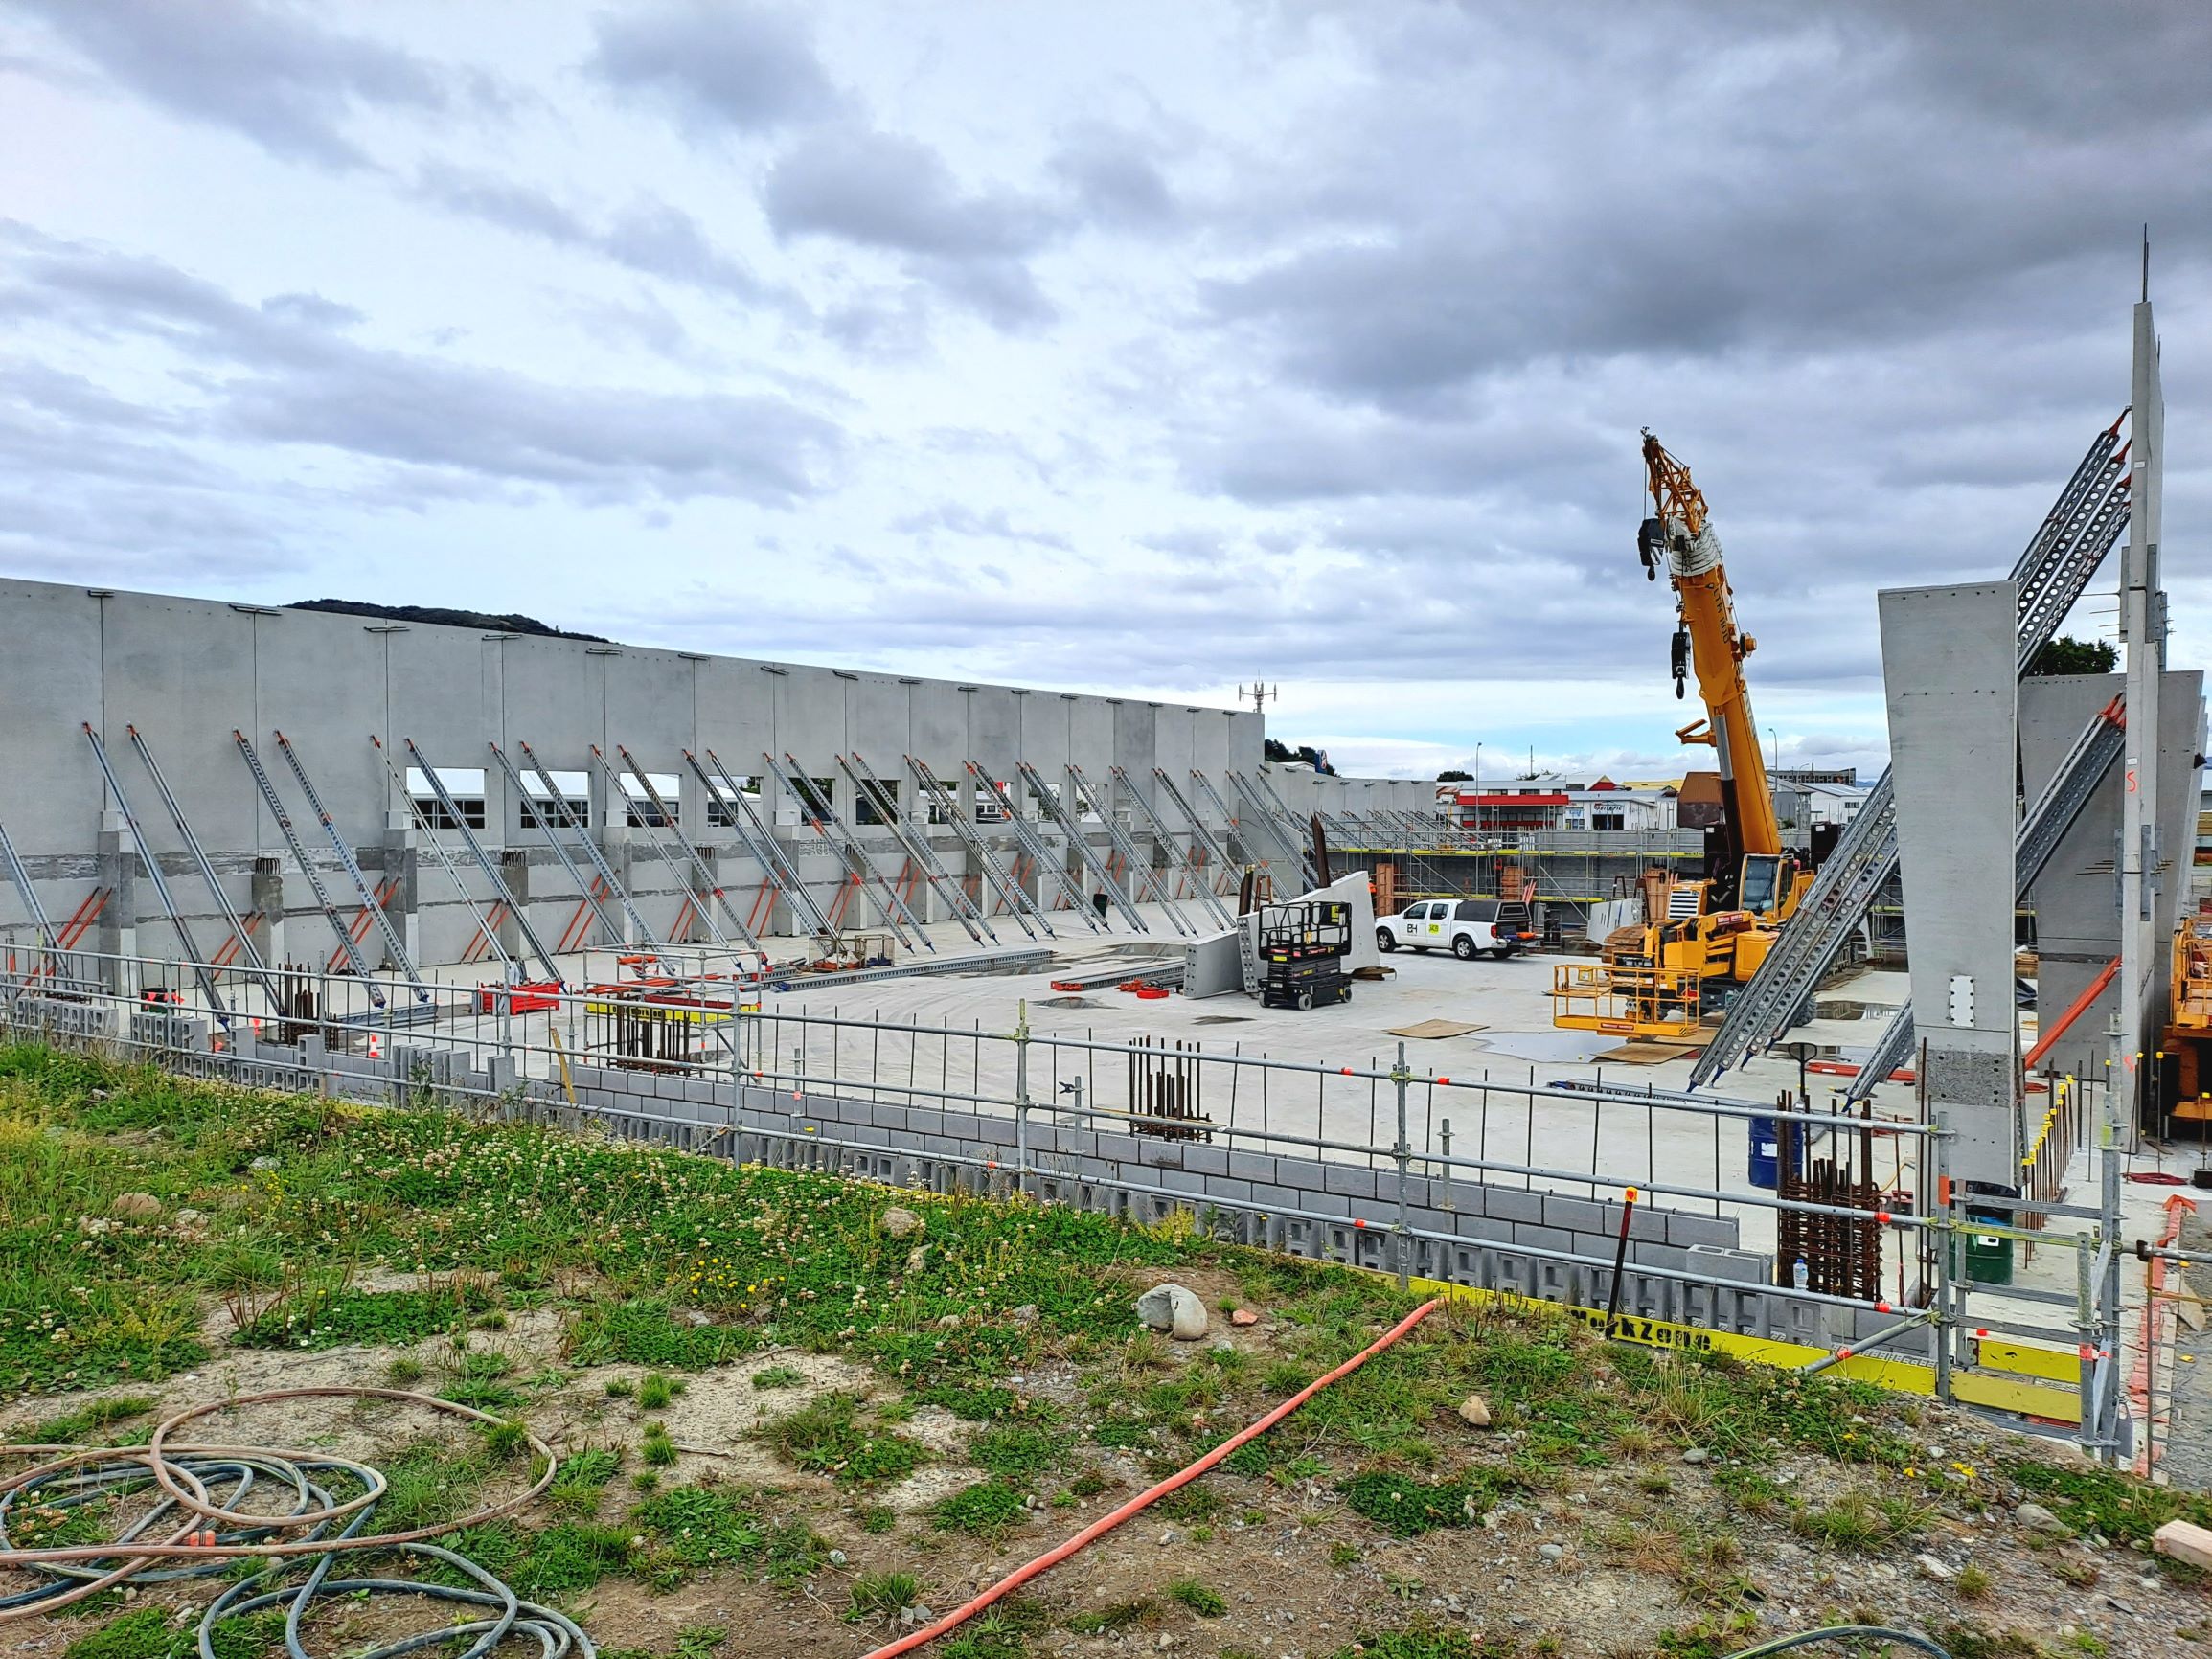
(1105, 1524)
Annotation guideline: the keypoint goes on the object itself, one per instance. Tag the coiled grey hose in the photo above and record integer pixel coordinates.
(202, 1487)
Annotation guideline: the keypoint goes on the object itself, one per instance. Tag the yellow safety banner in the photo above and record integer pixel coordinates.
(2028, 1398)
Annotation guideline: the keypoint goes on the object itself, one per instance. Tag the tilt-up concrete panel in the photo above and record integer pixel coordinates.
(1949, 657)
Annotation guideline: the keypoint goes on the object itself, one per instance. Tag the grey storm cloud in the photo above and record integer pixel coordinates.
(881, 190)
(271, 73)
(271, 375)
(719, 67)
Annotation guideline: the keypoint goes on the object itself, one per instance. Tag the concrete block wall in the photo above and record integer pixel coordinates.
(1550, 1245)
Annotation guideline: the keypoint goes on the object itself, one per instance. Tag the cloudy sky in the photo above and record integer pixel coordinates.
(1129, 346)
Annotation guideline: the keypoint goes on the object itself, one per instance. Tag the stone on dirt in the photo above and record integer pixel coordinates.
(1174, 1310)
(1474, 1411)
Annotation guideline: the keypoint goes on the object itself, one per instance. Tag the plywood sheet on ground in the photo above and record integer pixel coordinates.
(1648, 1054)
(1436, 1028)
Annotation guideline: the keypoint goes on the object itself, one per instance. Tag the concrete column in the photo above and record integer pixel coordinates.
(400, 856)
(515, 871)
(116, 932)
(1949, 661)
(2143, 644)
(265, 894)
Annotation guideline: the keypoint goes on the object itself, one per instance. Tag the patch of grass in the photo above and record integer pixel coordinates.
(1017, 1452)
(1407, 1507)
(429, 1482)
(994, 1636)
(619, 1388)
(579, 1480)
(779, 1376)
(147, 1633)
(405, 1371)
(697, 1527)
(2106, 1502)
(969, 1401)
(1284, 1377)
(330, 1317)
(1136, 1614)
(884, 1592)
(1860, 1520)
(1422, 1641)
(643, 1332)
(87, 1420)
(1205, 1602)
(658, 1451)
(829, 1437)
(1092, 1482)
(878, 1518)
(986, 1510)
(654, 1393)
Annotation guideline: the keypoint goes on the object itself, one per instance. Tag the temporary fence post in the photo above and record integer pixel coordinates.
(2109, 1322)
(2085, 1339)
(1450, 1204)
(1402, 1151)
(1021, 1096)
(1940, 1206)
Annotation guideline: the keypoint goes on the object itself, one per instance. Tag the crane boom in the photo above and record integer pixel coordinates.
(1708, 640)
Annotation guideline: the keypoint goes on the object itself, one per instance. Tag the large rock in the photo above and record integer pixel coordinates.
(1474, 1411)
(1174, 1310)
(901, 1224)
(135, 1206)
(2038, 1519)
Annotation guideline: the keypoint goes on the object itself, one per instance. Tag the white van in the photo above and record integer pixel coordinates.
(1467, 927)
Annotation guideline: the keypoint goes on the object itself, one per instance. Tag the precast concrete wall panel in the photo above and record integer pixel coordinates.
(994, 732)
(1949, 661)
(736, 717)
(937, 731)
(186, 671)
(1090, 737)
(50, 683)
(184, 676)
(322, 683)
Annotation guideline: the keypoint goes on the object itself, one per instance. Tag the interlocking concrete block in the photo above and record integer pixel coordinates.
(1350, 1180)
(1578, 1214)
(1179, 1180)
(889, 1117)
(1252, 1167)
(1206, 1160)
(1514, 1204)
(1740, 1265)
(1686, 1229)
(705, 1093)
(1667, 1256)
(925, 1120)
(1536, 1237)
(1227, 1190)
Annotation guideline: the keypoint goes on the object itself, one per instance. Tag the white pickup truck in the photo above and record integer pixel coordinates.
(1467, 927)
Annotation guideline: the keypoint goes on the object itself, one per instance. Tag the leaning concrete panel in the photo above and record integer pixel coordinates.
(184, 676)
(1949, 661)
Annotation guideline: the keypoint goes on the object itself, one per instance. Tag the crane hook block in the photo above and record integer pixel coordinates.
(1650, 543)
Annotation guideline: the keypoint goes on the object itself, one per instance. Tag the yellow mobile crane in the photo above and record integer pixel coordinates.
(1657, 980)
